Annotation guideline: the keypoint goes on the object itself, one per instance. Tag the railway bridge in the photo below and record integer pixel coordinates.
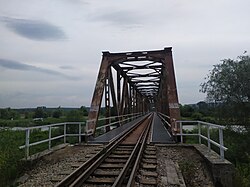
(135, 82)
(135, 117)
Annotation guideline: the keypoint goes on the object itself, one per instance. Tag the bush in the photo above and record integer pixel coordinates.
(197, 116)
(238, 152)
(57, 114)
(188, 170)
(10, 156)
(75, 115)
(242, 175)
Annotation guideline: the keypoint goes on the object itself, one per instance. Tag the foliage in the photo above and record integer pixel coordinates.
(206, 109)
(238, 151)
(73, 115)
(228, 84)
(10, 140)
(84, 111)
(188, 170)
(186, 110)
(15, 123)
(10, 155)
(77, 115)
(8, 113)
(242, 175)
(57, 113)
(236, 139)
(238, 146)
(229, 81)
(24, 117)
(11, 166)
(197, 116)
(40, 112)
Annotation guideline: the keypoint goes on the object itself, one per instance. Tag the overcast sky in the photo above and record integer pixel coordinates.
(50, 50)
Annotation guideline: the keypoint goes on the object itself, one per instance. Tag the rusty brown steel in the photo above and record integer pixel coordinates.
(144, 80)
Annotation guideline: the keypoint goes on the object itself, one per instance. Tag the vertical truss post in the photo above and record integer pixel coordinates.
(164, 92)
(127, 99)
(112, 89)
(97, 95)
(137, 102)
(115, 108)
(140, 104)
(118, 89)
(124, 97)
(173, 103)
(130, 100)
(107, 100)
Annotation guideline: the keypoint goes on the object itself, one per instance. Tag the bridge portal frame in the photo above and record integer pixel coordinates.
(128, 96)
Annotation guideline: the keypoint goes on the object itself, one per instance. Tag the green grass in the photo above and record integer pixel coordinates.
(31, 122)
(11, 166)
(16, 123)
(10, 155)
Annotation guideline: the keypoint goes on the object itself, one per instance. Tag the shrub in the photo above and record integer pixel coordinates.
(10, 155)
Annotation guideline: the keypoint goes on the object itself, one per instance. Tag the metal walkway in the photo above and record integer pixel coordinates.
(159, 132)
(107, 137)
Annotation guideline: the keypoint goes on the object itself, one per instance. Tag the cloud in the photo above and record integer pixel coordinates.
(122, 18)
(34, 29)
(14, 65)
(67, 67)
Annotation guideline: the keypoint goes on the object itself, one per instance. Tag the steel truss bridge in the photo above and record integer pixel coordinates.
(135, 82)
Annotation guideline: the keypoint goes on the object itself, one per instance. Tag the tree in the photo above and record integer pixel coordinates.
(9, 113)
(83, 110)
(74, 115)
(40, 112)
(57, 113)
(228, 85)
(186, 110)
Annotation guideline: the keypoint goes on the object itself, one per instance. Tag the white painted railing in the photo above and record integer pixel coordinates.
(206, 137)
(81, 131)
(28, 132)
(165, 118)
(127, 118)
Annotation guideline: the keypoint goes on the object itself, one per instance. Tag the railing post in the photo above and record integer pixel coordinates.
(27, 142)
(64, 131)
(199, 132)
(208, 138)
(221, 143)
(79, 125)
(49, 137)
(175, 125)
(181, 131)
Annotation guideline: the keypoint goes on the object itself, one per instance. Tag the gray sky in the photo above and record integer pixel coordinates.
(50, 50)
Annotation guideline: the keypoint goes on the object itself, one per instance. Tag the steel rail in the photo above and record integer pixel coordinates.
(78, 177)
(84, 176)
(138, 158)
(136, 151)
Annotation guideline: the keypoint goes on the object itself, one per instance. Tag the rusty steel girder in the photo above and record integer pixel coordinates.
(144, 81)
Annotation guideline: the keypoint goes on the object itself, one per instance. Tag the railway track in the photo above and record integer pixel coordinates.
(118, 163)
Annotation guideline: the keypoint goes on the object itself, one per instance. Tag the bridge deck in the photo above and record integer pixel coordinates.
(159, 132)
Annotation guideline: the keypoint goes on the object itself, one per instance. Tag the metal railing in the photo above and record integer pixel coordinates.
(201, 136)
(81, 131)
(127, 118)
(165, 118)
(28, 132)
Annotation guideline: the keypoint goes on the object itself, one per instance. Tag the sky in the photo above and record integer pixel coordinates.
(50, 50)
